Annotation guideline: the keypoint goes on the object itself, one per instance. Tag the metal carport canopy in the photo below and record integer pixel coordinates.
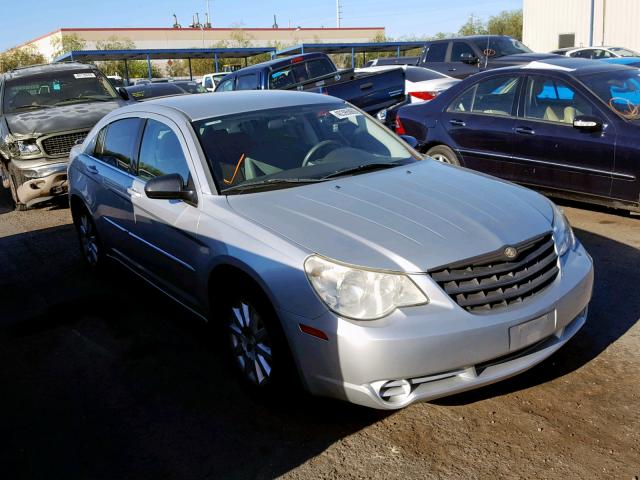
(163, 54)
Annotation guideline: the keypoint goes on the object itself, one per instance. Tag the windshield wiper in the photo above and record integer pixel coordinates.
(367, 167)
(270, 182)
(33, 105)
(84, 100)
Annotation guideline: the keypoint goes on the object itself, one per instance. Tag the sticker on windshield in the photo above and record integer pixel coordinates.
(345, 113)
(84, 75)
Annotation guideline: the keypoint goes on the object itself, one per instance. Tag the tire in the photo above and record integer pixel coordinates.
(255, 344)
(442, 153)
(90, 244)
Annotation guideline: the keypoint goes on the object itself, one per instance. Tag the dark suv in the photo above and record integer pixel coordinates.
(44, 111)
(464, 56)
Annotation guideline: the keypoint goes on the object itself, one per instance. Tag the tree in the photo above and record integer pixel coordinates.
(65, 43)
(473, 26)
(137, 68)
(506, 23)
(20, 57)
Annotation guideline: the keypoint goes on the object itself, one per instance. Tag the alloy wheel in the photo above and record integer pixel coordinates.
(250, 344)
(438, 157)
(88, 239)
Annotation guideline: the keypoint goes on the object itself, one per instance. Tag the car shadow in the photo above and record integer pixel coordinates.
(614, 309)
(104, 377)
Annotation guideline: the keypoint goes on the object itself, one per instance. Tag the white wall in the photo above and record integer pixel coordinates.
(544, 20)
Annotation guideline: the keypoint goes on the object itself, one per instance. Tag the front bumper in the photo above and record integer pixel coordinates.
(439, 349)
(38, 181)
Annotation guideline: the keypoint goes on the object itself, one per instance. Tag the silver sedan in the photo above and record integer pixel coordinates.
(325, 249)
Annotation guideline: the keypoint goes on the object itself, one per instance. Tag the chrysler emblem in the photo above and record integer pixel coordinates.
(510, 253)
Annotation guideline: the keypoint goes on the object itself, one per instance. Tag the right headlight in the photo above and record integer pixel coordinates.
(562, 231)
(359, 293)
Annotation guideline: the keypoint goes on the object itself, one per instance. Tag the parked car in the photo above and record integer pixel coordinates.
(44, 111)
(211, 80)
(190, 86)
(378, 62)
(629, 61)
(596, 53)
(146, 91)
(566, 126)
(315, 72)
(464, 56)
(322, 247)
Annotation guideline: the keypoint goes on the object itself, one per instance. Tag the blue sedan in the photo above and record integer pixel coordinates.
(568, 127)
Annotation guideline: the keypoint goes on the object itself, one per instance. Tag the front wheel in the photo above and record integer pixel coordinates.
(443, 154)
(90, 244)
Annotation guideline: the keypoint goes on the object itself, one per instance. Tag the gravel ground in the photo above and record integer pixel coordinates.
(102, 377)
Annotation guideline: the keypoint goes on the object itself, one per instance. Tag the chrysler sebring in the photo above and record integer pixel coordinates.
(325, 249)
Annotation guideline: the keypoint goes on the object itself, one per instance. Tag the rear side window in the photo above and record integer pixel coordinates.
(300, 72)
(118, 142)
(247, 82)
(436, 52)
(419, 74)
(460, 48)
(494, 96)
(161, 153)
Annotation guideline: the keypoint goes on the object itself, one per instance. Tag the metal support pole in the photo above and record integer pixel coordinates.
(246, 63)
(398, 55)
(126, 73)
(215, 61)
(592, 20)
(353, 57)
(149, 66)
(190, 70)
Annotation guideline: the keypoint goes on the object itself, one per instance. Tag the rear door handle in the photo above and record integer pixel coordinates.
(92, 169)
(133, 192)
(366, 86)
(457, 123)
(525, 131)
(452, 69)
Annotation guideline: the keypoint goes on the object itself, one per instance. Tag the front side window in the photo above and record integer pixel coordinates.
(247, 82)
(296, 144)
(225, 86)
(208, 82)
(56, 88)
(161, 153)
(554, 100)
(494, 96)
(118, 143)
(619, 90)
(459, 49)
(500, 46)
(436, 52)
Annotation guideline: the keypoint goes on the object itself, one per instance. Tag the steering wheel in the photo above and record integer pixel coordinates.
(316, 148)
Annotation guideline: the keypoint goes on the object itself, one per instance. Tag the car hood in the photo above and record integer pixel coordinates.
(410, 218)
(57, 119)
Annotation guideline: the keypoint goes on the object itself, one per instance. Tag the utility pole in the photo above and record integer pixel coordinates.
(338, 13)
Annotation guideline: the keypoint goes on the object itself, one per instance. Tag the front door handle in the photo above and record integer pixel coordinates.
(133, 192)
(92, 169)
(452, 69)
(525, 131)
(457, 123)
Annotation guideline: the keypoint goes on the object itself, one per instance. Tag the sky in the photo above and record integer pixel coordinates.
(24, 20)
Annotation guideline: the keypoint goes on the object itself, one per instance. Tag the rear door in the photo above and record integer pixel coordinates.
(480, 124)
(554, 153)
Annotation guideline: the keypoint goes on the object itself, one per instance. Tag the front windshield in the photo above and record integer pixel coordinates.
(283, 146)
(56, 88)
(501, 46)
(623, 52)
(620, 90)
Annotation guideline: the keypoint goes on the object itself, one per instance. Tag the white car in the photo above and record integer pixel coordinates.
(596, 53)
(210, 80)
(421, 84)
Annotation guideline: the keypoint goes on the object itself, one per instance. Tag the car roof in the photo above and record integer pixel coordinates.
(49, 67)
(577, 66)
(199, 107)
(278, 62)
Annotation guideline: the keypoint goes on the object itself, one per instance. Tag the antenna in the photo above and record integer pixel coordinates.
(338, 13)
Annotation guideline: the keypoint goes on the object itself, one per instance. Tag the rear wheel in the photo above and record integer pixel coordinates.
(90, 244)
(442, 153)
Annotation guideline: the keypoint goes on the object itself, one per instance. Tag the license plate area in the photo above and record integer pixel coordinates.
(532, 331)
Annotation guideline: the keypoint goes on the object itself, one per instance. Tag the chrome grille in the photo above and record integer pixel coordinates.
(61, 144)
(490, 282)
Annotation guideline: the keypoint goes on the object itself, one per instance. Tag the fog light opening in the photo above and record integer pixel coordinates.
(395, 391)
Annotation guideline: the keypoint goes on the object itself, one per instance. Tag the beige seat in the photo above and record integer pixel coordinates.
(568, 114)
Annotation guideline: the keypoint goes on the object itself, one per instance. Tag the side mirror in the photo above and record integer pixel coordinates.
(469, 58)
(588, 123)
(411, 141)
(169, 187)
(123, 94)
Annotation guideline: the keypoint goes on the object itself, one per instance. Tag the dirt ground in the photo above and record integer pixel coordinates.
(102, 377)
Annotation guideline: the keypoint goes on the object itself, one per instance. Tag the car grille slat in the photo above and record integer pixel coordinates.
(486, 283)
(61, 144)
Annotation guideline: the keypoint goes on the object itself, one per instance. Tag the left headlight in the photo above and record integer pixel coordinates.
(359, 293)
(27, 148)
(562, 231)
